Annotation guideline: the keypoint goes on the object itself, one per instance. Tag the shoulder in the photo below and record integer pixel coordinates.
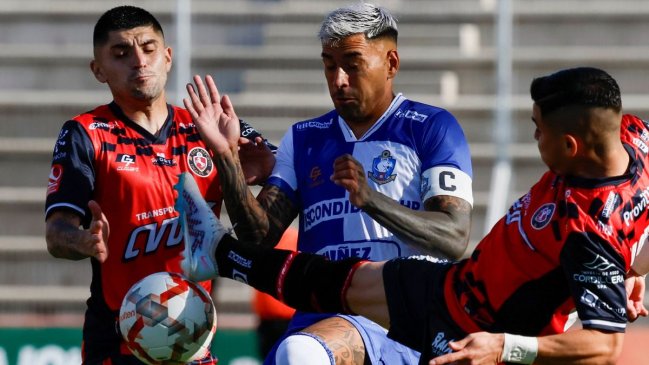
(325, 121)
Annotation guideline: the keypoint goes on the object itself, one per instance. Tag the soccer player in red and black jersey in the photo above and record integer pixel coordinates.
(113, 172)
(567, 246)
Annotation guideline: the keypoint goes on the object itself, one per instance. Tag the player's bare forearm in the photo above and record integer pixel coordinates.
(583, 346)
(280, 212)
(247, 215)
(441, 229)
(63, 236)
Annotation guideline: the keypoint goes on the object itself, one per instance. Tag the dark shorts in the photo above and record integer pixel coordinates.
(414, 288)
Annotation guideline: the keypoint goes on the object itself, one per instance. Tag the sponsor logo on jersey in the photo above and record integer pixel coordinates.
(162, 160)
(641, 145)
(327, 210)
(382, 168)
(313, 124)
(125, 161)
(609, 206)
(341, 252)
(100, 125)
(316, 177)
(640, 205)
(54, 179)
(200, 161)
(411, 114)
(155, 213)
(543, 215)
(644, 135)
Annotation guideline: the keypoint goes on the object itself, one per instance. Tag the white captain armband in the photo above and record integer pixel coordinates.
(520, 349)
(446, 180)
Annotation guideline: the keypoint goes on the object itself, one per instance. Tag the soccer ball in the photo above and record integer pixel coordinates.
(166, 317)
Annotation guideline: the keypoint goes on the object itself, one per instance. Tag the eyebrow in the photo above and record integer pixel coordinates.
(124, 44)
(348, 55)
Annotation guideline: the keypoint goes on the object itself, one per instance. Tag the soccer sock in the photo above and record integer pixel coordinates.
(304, 281)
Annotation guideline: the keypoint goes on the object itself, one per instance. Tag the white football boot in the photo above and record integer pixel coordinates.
(202, 231)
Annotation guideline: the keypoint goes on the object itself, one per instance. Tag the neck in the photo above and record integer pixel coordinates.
(150, 115)
(611, 163)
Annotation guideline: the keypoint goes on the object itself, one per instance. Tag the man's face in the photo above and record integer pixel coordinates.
(359, 76)
(134, 63)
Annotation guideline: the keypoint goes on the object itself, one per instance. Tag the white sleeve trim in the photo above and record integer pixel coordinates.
(446, 180)
(284, 160)
(66, 205)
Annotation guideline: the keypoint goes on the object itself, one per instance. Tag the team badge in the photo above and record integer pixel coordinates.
(200, 161)
(382, 168)
(543, 215)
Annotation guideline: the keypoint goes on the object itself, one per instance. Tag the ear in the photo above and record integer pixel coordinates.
(393, 63)
(573, 145)
(96, 70)
(168, 58)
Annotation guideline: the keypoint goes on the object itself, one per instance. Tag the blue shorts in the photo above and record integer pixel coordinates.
(379, 348)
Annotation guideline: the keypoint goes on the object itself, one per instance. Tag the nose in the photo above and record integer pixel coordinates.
(341, 79)
(139, 58)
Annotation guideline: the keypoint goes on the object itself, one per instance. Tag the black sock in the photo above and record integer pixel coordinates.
(308, 282)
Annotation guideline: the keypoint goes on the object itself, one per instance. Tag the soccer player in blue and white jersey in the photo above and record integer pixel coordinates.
(378, 177)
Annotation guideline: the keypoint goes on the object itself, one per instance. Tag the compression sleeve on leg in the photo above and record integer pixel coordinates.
(304, 281)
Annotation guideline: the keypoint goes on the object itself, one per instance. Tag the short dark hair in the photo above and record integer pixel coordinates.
(580, 86)
(123, 17)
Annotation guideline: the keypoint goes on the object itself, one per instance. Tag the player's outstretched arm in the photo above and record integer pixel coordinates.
(442, 229)
(219, 127)
(65, 239)
(583, 346)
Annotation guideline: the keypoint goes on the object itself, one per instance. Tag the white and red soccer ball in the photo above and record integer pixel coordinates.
(166, 317)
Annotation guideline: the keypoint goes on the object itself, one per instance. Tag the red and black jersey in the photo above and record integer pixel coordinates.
(566, 244)
(104, 156)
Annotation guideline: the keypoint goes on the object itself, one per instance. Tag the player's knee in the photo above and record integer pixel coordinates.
(301, 349)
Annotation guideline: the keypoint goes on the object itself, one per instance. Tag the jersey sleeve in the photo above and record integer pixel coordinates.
(248, 131)
(595, 273)
(72, 176)
(283, 175)
(446, 159)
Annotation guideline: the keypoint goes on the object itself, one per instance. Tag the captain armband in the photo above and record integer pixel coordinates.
(520, 349)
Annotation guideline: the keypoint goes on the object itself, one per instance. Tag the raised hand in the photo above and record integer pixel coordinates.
(213, 116)
(350, 174)
(99, 231)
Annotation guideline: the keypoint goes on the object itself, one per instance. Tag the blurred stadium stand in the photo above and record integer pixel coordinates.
(265, 54)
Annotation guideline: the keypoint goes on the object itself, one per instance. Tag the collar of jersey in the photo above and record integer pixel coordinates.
(349, 135)
(164, 130)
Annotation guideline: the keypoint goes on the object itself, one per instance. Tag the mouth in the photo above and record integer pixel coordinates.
(141, 78)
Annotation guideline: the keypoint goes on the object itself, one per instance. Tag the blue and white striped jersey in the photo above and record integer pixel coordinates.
(413, 152)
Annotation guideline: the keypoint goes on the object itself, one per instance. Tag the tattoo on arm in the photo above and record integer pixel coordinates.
(280, 211)
(260, 221)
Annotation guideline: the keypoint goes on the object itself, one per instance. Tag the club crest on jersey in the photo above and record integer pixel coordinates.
(382, 168)
(543, 215)
(200, 161)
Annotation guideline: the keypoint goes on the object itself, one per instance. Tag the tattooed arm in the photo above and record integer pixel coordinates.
(442, 229)
(260, 222)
